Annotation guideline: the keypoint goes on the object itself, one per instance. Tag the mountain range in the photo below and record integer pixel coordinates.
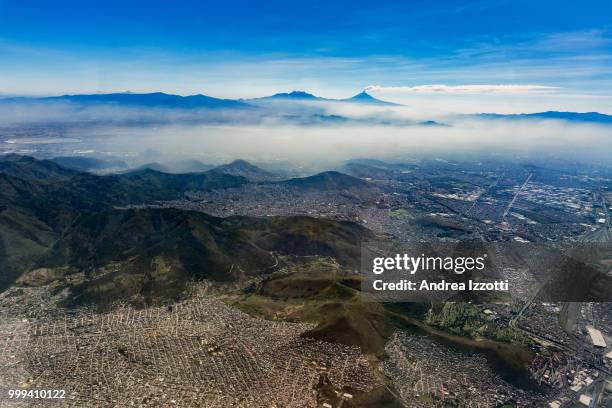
(164, 100)
(361, 98)
(590, 117)
(149, 100)
(59, 223)
(271, 105)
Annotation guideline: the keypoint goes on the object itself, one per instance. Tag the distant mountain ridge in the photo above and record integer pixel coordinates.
(592, 117)
(200, 101)
(165, 100)
(153, 100)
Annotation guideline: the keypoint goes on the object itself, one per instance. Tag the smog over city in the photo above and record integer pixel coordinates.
(313, 134)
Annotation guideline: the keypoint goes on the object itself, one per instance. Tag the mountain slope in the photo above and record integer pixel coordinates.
(329, 180)
(188, 166)
(81, 163)
(59, 185)
(28, 168)
(365, 98)
(242, 168)
(62, 225)
(39, 200)
(151, 166)
(291, 96)
(156, 253)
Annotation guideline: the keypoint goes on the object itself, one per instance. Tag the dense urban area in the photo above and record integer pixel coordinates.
(289, 329)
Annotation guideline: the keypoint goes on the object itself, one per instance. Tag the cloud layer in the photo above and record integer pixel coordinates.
(463, 89)
(324, 146)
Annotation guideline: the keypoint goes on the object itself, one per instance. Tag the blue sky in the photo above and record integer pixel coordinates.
(553, 54)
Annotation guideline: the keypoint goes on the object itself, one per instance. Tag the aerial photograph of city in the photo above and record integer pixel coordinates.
(291, 204)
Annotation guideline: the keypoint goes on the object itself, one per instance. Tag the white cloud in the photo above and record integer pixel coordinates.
(463, 89)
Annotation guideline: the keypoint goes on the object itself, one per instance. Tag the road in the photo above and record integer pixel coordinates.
(516, 196)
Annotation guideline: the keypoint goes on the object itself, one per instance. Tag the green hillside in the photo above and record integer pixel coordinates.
(54, 219)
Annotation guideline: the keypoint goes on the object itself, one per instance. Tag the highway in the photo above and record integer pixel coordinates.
(516, 196)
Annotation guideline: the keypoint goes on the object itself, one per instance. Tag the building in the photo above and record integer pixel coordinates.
(585, 400)
(596, 337)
